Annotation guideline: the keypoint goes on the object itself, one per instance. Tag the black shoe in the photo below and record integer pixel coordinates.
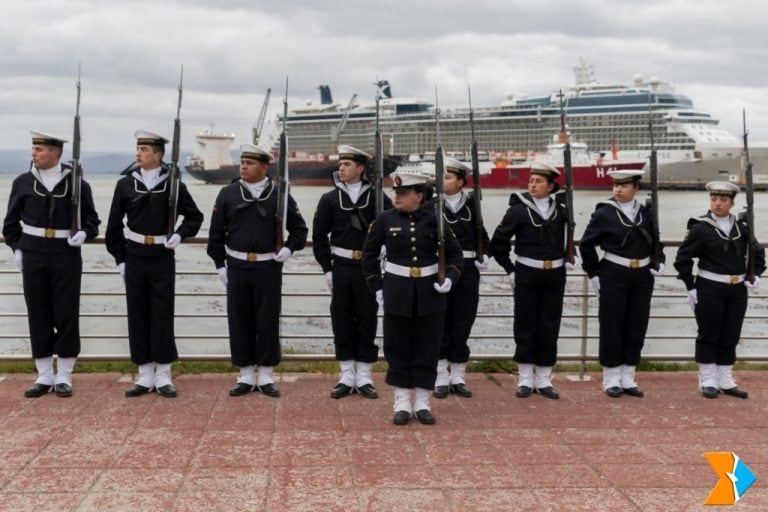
(241, 388)
(341, 390)
(137, 390)
(401, 418)
(37, 390)
(735, 391)
(368, 391)
(269, 390)
(523, 392)
(635, 391)
(548, 392)
(440, 392)
(425, 416)
(63, 390)
(461, 389)
(614, 392)
(709, 392)
(167, 391)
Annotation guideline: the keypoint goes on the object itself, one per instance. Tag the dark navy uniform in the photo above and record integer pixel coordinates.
(243, 234)
(338, 231)
(722, 296)
(625, 283)
(150, 268)
(540, 284)
(51, 268)
(413, 310)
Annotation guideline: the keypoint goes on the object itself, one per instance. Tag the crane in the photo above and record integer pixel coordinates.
(260, 122)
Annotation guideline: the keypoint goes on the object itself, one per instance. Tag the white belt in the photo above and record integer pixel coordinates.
(347, 253)
(403, 271)
(721, 278)
(144, 239)
(541, 264)
(45, 232)
(469, 254)
(626, 262)
(249, 256)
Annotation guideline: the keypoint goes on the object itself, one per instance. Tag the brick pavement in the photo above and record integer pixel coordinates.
(99, 451)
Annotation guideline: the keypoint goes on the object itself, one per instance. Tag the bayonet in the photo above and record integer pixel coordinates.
(440, 193)
(654, 199)
(750, 213)
(175, 177)
(378, 161)
(77, 171)
(478, 211)
(281, 180)
(570, 247)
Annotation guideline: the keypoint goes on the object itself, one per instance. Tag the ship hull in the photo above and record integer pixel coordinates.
(584, 176)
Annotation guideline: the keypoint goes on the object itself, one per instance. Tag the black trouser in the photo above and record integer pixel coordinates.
(353, 315)
(411, 345)
(150, 292)
(625, 305)
(538, 310)
(719, 315)
(52, 293)
(460, 315)
(253, 312)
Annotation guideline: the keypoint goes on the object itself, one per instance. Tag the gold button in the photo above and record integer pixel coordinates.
(413, 239)
(413, 230)
(413, 249)
(415, 258)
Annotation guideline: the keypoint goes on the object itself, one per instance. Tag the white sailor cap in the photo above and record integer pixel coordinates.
(544, 169)
(255, 152)
(621, 177)
(722, 188)
(46, 139)
(145, 138)
(406, 179)
(354, 154)
(456, 166)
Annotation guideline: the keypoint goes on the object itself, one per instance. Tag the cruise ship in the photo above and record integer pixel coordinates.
(692, 148)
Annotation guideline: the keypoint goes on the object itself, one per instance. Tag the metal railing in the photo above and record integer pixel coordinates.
(579, 323)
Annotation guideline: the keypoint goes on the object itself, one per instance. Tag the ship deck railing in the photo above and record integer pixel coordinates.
(496, 305)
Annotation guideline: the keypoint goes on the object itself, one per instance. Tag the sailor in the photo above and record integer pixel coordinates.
(38, 228)
(338, 230)
(622, 280)
(462, 301)
(242, 242)
(537, 219)
(137, 238)
(718, 292)
(413, 300)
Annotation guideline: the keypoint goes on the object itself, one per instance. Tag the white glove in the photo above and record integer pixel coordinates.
(483, 265)
(283, 255)
(595, 282)
(754, 285)
(658, 273)
(511, 279)
(222, 271)
(17, 254)
(445, 287)
(383, 252)
(574, 265)
(693, 299)
(121, 270)
(77, 239)
(380, 299)
(173, 242)
(329, 281)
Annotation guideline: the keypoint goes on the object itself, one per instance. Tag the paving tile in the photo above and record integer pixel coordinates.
(127, 502)
(461, 454)
(136, 480)
(656, 475)
(389, 447)
(305, 447)
(494, 500)
(326, 476)
(309, 500)
(526, 454)
(45, 480)
(35, 502)
(599, 498)
(617, 454)
(231, 481)
(479, 476)
(232, 450)
(563, 475)
(253, 500)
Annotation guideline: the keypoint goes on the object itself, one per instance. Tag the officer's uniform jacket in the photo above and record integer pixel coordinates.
(147, 213)
(34, 205)
(718, 252)
(247, 224)
(411, 241)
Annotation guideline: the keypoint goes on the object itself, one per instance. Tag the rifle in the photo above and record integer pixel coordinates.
(77, 171)
(378, 161)
(750, 213)
(440, 192)
(653, 201)
(175, 177)
(570, 248)
(281, 180)
(478, 211)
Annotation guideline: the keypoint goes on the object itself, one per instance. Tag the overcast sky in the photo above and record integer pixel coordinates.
(233, 50)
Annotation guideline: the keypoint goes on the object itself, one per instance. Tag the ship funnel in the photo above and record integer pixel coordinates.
(384, 90)
(325, 95)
